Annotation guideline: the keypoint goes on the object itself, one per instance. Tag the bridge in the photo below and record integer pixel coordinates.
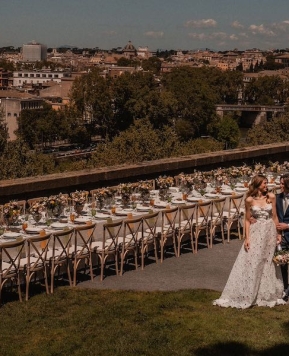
(252, 114)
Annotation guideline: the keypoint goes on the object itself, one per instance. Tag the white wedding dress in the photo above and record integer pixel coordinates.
(254, 278)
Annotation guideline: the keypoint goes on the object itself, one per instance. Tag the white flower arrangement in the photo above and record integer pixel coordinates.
(281, 257)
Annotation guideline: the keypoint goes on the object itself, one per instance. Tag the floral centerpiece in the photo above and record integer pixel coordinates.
(79, 198)
(11, 212)
(164, 183)
(186, 182)
(275, 167)
(144, 188)
(125, 190)
(281, 257)
(55, 204)
(104, 195)
(259, 168)
(36, 210)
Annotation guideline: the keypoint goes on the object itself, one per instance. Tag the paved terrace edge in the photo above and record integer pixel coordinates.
(105, 175)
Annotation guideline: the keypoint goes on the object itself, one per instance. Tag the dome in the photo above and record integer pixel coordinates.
(129, 47)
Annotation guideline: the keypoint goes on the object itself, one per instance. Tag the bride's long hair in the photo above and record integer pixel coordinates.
(256, 181)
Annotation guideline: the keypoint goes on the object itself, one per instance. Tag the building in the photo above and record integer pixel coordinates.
(4, 78)
(32, 77)
(12, 103)
(33, 52)
(129, 51)
(283, 59)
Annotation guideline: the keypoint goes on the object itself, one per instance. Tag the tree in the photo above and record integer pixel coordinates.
(273, 131)
(134, 96)
(92, 102)
(141, 142)
(270, 63)
(226, 130)
(267, 90)
(125, 62)
(152, 64)
(195, 96)
(41, 126)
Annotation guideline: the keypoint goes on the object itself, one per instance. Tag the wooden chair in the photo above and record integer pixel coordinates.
(148, 240)
(233, 214)
(59, 254)
(202, 222)
(129, 241)
(35, 260)
(167, 230)
(10, 254)
(22, 206)
(81, 249)
(108, 246)
(217, 218)
(185, 225)
(35, 200)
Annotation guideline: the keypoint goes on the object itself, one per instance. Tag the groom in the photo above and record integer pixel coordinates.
(282, 205)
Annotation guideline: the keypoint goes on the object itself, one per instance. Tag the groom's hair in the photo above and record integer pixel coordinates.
(286, 181)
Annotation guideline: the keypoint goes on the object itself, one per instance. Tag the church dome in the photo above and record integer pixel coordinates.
(129, 47)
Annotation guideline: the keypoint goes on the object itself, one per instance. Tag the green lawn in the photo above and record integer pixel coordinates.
(93, 322)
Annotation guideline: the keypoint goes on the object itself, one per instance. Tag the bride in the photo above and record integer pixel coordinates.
(254, 278)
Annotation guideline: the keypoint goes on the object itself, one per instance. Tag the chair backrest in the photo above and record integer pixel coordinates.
(22, 206)
(34, 200)
(132, 229)
(93, 192)
(37, 247)
(150, 224)
(61, 244)
(169, 219)
(217, 210)
(235, 204)
(10, 254)
(83, 237)
(203, 214)
(186, 217)
(276, 189)
(111, 233)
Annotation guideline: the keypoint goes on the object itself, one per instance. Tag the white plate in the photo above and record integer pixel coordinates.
(33, 230)
(11, 235)
(143, 208)
(178, 202)
(160, 205)
(82, 220)
(58, 225)
(211, 195)
(239, 189)
(194, 199)
(101, 216)
(123, 212)
(227, 192)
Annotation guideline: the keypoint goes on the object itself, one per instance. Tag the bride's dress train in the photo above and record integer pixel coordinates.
(254, 278)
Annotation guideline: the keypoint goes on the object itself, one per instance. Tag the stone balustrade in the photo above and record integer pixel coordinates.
(30, 187)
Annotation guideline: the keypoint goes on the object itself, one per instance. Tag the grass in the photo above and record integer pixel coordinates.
(99, 322)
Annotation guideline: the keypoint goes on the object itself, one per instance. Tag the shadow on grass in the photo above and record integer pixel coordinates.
(239, 349)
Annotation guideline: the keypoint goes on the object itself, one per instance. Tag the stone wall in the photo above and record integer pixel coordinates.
(26, 188)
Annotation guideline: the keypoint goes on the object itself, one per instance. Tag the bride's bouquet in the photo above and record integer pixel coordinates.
(281, 257)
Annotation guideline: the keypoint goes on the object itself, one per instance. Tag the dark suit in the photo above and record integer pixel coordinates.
(283, 217)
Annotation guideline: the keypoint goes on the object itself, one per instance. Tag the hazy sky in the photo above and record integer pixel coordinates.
(158, 24)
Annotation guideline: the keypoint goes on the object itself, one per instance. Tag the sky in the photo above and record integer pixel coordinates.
(156, 24)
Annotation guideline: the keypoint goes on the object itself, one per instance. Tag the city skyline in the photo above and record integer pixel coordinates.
(157, 24)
